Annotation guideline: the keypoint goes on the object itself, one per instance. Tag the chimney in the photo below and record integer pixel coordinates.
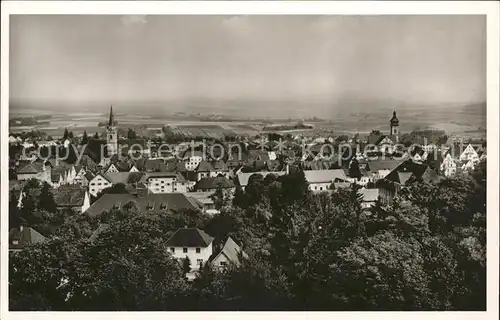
(21, 228)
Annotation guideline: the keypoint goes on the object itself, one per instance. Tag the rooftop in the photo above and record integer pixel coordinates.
(190, 237)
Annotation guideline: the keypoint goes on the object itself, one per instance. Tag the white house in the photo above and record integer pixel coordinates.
(35, 170)
(166, 182)
(321, 180)
(192, 243)
(192, 159)
(369, 197)
(99, 183)
(230, 253)
(448, 166)
(112, 168)
(469, 154)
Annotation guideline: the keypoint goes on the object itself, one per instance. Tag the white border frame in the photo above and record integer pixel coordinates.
(489, 8)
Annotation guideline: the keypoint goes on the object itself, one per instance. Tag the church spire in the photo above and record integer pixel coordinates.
(394, 119)
(111, 122)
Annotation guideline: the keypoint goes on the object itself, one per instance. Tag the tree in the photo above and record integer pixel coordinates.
(186, 265)
(46, 199)
(131, 134)
(342, 138)
(85, 138)
(131, 207)
(14, 218)
(70, 135)
(424, 250)
(96, 135)
(219, 198)
(239, 199)
(354, 171)
(66, 134)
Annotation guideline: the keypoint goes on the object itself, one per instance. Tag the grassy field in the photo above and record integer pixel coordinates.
(466, 121)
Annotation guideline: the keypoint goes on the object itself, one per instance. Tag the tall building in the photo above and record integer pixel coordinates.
(111, 135)
(395, 126)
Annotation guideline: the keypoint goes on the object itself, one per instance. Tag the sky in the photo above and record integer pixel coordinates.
(330, 60)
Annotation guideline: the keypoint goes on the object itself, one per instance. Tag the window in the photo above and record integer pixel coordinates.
(185, 250)
(223, 263)
(198, 250)
(199, 262)
(172, 250)
(15, 241)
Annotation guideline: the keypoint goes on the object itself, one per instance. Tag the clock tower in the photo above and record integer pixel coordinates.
(395, 125)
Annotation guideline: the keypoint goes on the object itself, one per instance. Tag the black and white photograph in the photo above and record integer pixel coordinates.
(248, 162)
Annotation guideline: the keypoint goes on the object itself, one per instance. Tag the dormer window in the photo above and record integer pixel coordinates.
(149, 206)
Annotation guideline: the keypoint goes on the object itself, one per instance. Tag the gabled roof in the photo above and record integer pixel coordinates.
(190, 238)
(409, 169)
(26, 237)
(123, 166)
(377, 165)
(214, 183)
(392, 138)
(123, 177)
(244, 176)
(373, 138)
(192, 153)
(205, 166)
(258, 155)
(231, 250)
(89, 176)
(321, 176)
(155, 165)
(34, 167)
(148, 202)
(219, 165)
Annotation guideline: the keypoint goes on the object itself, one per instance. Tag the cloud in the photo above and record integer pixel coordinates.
(134, 19)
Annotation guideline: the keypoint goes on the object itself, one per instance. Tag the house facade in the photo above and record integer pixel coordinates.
(192, 243)
(448, 166)
(98, 183)
(167, 182)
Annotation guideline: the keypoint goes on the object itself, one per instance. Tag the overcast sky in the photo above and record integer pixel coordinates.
(417, 59)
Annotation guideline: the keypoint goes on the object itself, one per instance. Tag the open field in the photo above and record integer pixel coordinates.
(466, 121)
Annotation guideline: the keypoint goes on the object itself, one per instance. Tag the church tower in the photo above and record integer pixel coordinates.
(111, 135)
(395, 125)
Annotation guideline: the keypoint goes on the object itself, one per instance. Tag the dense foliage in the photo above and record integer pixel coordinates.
(426, 250)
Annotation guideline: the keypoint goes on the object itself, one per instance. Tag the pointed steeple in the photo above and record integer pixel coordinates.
(111, 121)
(394, 120)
